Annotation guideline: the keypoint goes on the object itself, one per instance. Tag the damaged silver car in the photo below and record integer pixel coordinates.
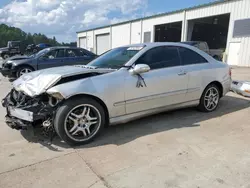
(125, 83)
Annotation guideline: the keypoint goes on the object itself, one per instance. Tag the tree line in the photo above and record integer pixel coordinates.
(8, 33)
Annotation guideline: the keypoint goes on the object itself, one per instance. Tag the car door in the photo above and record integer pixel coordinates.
(53, 58)
(77, 57)
(197, 69)
(165, 84)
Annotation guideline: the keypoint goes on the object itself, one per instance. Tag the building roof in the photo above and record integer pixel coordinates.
(162, 14)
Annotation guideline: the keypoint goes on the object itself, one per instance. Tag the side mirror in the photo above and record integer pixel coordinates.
(140, 68)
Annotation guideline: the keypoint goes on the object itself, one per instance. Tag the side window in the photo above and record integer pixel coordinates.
(51, 54)
(81, 53)
(60, 53)
(71, 53)
(160, 57)
(189, 57)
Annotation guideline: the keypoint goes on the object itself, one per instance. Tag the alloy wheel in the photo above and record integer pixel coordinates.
(211, 98)
(82, 122)
(25, 71)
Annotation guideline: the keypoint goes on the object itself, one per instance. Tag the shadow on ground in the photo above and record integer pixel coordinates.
(124, 133)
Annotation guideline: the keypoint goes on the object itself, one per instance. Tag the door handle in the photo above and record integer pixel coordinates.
(182, 73)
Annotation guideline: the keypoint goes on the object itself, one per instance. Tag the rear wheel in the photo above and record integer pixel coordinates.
(23, 70)
(79, 120)
(210, 99)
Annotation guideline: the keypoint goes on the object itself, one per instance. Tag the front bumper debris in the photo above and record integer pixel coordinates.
(23, 111)
(241, 87)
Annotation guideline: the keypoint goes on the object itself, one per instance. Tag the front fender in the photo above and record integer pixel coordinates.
(77, 87)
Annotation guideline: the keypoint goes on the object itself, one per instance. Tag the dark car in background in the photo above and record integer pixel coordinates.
(13, 48)
(32, 48)
(49, 57)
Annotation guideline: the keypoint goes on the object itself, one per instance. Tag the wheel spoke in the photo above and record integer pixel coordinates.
(88, 130)
(76, 131)
(208, 104)
(84, 132)
(84, 112)
(93, 122)
(87, 114)
(73, 119)
(207, 98)
(75, 115)
(214, 103)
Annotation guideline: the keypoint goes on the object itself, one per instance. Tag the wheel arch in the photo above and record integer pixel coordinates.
(100, 101)
(25, 65)
(218, 84)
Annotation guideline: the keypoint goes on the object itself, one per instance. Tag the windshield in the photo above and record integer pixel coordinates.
(115, 58)
(40, 53)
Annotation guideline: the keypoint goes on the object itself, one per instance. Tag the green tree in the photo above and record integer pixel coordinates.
(8, 33)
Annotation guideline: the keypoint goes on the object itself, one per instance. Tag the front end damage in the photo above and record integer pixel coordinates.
(24, 111)
(34, 99)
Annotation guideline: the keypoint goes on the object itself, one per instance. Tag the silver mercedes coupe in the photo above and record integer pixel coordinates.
(123, 84)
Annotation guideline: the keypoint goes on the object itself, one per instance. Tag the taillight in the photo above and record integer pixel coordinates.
(230, 72)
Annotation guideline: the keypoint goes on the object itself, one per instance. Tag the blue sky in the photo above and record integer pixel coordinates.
(4, 2)
(62, 18)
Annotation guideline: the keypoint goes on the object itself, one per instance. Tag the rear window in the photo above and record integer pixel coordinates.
(189, 57)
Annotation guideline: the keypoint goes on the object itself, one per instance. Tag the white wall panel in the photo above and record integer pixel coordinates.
(120, 35)
(102, 31)
(90, 39)
(136, 32)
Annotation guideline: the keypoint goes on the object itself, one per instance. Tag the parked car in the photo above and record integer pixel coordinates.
(13, 48)
(49, 57)
(215, 53)
(123, 84)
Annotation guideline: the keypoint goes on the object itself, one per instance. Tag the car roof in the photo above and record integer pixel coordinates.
(155, 44)
(64, 47)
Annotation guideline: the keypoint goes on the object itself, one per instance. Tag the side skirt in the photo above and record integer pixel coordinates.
(129, 117)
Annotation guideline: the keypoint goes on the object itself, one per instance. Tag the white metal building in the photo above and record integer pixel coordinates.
(223, 24)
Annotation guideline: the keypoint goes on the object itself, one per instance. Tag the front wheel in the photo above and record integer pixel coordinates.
(23, 70)
(79, 120)
(5, 56)
(210, 99)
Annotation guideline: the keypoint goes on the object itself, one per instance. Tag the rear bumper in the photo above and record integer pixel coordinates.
(226, 86)
(241, 87)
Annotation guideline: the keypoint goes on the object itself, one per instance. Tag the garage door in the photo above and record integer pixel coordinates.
(102, 43)
(83, 42)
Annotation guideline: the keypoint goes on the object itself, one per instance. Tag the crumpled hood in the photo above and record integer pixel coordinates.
(37, 82)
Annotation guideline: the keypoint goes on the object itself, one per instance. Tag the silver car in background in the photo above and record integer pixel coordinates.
(123, 84)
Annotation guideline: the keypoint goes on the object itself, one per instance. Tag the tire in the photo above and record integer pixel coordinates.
(205, 99)
(20, 71)
(5, 56)
(64, 125)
